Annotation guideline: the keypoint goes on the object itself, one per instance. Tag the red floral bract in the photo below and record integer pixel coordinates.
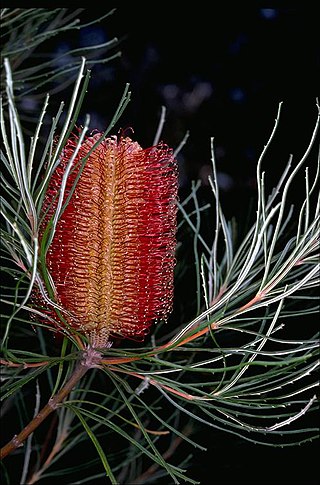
(112, 256)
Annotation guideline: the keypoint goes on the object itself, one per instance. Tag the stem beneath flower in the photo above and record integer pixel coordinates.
(90, 359)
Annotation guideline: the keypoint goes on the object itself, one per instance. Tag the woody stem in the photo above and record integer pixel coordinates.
(90, 358)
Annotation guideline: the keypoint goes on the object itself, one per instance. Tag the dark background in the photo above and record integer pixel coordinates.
(220, 72)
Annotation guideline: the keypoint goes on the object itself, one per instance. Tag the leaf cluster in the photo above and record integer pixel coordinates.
(245, 364)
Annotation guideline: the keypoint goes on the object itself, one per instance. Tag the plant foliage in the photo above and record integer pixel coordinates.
(245, 364)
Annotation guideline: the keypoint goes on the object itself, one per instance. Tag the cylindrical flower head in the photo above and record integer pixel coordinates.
(113, 253)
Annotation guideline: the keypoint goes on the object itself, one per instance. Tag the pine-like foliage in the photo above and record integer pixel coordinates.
(245, 364)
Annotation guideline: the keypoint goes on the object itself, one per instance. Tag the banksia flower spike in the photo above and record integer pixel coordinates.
(112, 256)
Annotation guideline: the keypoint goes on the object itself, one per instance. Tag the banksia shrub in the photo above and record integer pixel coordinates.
(88, 249)
(112, 254)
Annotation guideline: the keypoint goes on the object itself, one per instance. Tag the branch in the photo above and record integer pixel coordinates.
(91, 358)
(166, 455)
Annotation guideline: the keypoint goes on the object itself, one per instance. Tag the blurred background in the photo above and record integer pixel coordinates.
(220, 72)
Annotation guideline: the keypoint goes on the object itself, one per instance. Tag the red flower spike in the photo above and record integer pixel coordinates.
(112, 255)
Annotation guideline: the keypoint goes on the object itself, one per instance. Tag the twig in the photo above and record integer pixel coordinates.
(56, 448)
(91, 358)
(166, 455)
